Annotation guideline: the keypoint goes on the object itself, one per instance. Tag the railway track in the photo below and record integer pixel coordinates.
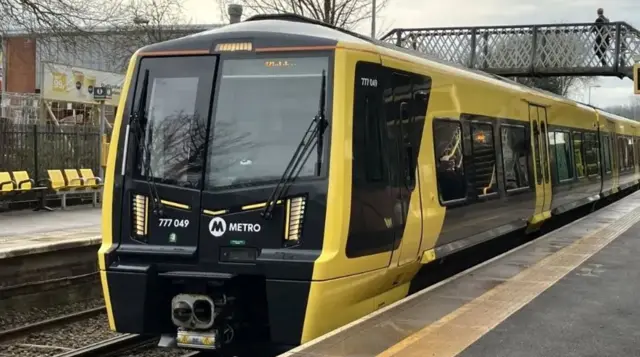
(116, 346)
(127, 345)
(23, 330)
(122, 345)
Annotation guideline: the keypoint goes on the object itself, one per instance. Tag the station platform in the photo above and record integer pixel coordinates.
(27, 232)
(571, 292)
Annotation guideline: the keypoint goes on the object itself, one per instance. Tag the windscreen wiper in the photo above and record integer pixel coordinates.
(312, 137)
(138, 119)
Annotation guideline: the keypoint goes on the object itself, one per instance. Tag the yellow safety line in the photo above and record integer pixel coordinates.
(458, 330)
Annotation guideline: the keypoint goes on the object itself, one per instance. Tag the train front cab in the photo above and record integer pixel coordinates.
(358, 220)
(366, 225)
(184, 215)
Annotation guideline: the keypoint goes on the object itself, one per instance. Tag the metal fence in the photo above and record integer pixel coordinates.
(37, 148)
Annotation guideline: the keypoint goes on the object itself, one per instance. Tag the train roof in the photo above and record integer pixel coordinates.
(293, 24)
(618, 117)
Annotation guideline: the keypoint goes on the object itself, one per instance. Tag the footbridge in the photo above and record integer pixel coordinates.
(578, 49)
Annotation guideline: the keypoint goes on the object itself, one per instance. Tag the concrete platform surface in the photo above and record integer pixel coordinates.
(592, 311)
(15, 223)
(28, 232)
(572, 292)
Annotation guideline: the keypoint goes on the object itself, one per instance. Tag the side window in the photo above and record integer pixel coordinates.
(372, 140)
(622, 154)
(515, 156)
(367, 145)
(591, 154)
(447, 135)
(606, 153)
(484, 158)
(635, 150)
(551, 139)
(631, 152)
(563, 156)
(577, 154)
(400, 92)
(637, 143)
(413, 126)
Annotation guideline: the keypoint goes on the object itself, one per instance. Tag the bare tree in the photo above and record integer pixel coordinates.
(631, 110)
(113, 37)
(57, 16)
(341, 13)
(147, 22)
(561, 85)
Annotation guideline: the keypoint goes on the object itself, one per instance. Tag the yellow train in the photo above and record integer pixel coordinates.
(272, 180)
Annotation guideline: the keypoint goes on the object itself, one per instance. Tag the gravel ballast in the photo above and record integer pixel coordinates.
(60, 338)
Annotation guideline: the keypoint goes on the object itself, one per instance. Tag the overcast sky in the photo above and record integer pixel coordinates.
(436, 13)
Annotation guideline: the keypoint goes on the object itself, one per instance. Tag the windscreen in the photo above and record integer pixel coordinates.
(263, 109)
(172, 130)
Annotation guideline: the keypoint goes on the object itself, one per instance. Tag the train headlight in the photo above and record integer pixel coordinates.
(295, 214)
(140, 207)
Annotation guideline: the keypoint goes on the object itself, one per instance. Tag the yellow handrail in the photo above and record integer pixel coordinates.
(493, 178)
(453, 149)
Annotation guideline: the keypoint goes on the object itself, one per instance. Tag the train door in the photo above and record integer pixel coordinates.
(613, 146)
(539, 154)
(546, 162)
(406, 113)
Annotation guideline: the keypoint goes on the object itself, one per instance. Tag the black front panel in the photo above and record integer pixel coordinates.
(388, 121)
(167, 140)
(287, 308)
(239, 237)
(136, 301)
(246, 114)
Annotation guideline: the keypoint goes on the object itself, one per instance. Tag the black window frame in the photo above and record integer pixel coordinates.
(456, 201)
(581, 151)
(491, 124)
(206, 91)
(527, 143)
(569, 148)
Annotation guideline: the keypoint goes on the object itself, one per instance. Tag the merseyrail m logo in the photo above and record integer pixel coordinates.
(217, 226)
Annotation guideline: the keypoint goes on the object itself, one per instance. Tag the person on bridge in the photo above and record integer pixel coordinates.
(602, 37)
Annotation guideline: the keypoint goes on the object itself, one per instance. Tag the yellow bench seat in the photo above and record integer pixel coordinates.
(71, 182)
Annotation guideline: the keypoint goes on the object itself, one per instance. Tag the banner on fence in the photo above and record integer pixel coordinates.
(75, 84)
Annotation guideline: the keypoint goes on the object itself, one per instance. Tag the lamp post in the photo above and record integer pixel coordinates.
(596, 86)
(373, 18)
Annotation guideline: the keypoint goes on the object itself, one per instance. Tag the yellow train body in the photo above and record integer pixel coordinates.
(461, 158)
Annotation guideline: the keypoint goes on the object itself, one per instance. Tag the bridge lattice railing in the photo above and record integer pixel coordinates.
(563, 49)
